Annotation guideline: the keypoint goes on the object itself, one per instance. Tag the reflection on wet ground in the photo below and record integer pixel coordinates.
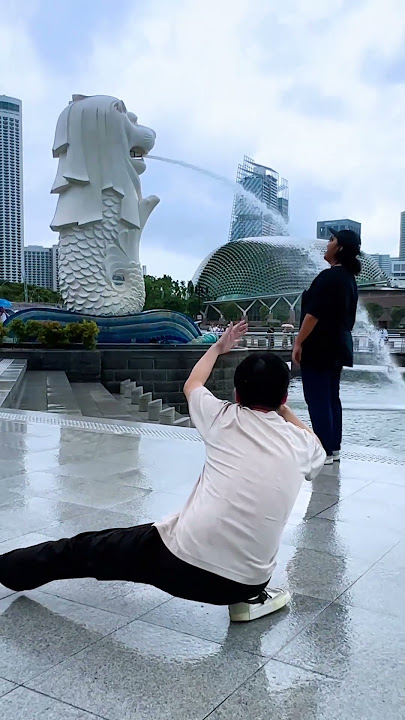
(373, 410)
(82, 649)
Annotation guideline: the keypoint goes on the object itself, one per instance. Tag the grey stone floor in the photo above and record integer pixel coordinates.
(81, 649)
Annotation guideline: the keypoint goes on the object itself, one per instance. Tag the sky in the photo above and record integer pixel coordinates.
(313, 89)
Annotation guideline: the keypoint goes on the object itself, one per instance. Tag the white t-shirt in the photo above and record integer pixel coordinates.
(3, 318)
(255, 463)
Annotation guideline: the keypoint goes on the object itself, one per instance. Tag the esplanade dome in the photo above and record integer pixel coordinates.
(260, 267)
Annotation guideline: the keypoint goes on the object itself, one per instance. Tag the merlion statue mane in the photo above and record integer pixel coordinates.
(100, 212)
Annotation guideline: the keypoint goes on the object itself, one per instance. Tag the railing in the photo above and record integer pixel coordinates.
(285, 341)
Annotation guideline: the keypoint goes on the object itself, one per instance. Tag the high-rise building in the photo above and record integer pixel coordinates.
(41, 266)
(11, 190)
(402, 238)
(383, 261)
(323, 226)
(398, 269)
(248, 218)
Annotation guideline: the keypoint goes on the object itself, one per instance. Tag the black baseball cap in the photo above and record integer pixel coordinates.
(348, 239)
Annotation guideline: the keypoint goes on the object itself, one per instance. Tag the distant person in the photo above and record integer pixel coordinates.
(384, 337)
(324, 344)
(221, 547)
(3, 316)
(270, 337)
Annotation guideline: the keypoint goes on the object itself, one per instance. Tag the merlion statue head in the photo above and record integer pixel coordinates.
(99, 145)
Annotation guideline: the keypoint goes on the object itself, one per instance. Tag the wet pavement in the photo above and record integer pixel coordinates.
(81, 649)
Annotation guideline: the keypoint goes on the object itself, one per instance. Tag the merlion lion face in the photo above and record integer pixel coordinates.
(141, 140)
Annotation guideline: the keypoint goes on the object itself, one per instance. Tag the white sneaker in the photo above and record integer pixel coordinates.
(329, 460)
(267, 602)
(336, 456)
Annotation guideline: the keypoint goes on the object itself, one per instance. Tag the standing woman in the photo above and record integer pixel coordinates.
(324, 344)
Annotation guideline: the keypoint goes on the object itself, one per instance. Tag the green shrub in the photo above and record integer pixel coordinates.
(74, 332)
(18, 329)
(52, 334)
(90, 331)
(85, 332)
(32, 329)
(3, 333)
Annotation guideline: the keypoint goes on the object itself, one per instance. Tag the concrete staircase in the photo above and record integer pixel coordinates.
(142, 407)
(51, 391)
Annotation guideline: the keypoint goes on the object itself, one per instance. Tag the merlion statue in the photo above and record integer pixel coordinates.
(100, 213)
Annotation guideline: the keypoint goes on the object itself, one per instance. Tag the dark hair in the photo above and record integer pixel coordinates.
(349, 261)
(262, 380)
(349, 250)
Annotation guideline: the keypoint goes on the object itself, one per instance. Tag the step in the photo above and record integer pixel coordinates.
(60, 396)
(12, 373)
(48, 391)
(95, 401)
(148, 416)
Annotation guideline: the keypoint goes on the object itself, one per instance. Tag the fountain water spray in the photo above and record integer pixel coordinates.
(237, 188)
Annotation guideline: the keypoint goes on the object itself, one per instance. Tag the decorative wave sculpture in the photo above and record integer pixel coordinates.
(150, 326)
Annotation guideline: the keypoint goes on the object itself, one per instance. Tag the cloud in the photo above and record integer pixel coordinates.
(307, 100)
(285, 83)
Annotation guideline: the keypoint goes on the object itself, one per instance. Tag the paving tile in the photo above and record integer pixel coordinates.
(263, 637)
(22, 541)
(339, 538)
(120, 650)
(336, 483)
(383, 492)
(382, 588)
(31, 514)
(91, 519)
(317, 574)
(351, 644)
(5, 687)
(288, 693)
(39, 630)
(94, 495)
(149, 672)
(122, 598)
(373, 471)
(151, 507)
(308, 505)
(371, 513)
(30, 705)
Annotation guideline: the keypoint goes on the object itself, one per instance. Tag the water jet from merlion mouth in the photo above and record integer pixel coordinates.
(252, 201)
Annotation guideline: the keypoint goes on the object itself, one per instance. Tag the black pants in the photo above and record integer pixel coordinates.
(321, 392)
(135, 554)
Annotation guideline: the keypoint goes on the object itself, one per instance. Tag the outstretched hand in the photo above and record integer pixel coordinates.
(232, 334)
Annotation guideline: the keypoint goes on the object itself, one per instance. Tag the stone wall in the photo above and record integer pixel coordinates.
(79, 365)
(163, 371)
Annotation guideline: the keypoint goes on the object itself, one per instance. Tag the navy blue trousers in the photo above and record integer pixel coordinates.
(321, 392)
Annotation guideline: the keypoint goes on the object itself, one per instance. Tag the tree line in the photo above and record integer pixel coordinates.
(162, 293)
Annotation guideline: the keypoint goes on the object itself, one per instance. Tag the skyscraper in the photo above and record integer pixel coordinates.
(11, 190)
(383, 261)
(248, 219)
(41, 266)
(402, 238)
(322, 227)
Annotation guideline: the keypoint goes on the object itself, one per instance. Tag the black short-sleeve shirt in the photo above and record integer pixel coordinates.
(332, 299)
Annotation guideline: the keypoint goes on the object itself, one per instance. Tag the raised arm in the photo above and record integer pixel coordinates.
(202, 370)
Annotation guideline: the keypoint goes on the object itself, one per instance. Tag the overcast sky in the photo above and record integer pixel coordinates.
(314, 89)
